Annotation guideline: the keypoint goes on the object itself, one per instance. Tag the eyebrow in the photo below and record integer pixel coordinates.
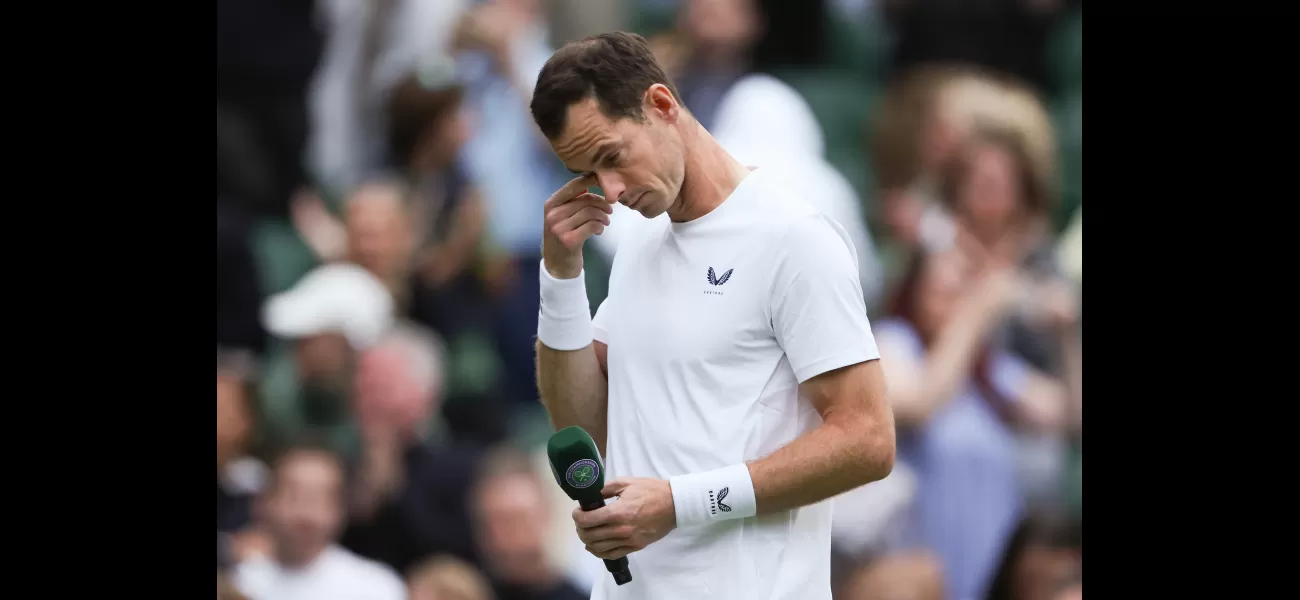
(602, 154)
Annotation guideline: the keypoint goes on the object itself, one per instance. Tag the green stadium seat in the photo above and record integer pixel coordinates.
(860, 49)
(1065, 53)
(842, 106)
(1068, 114)
(282, 256)
(652, 20)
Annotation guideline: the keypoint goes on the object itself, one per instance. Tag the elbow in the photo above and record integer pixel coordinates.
(877, 450)
(880, 458)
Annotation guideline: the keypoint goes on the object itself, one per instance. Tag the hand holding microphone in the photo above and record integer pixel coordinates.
(643, 514)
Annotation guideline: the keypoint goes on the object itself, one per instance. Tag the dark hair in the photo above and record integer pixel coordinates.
(412, 110)
(617, 68)
(1035, 530)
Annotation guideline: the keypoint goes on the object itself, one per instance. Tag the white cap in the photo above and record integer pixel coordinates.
(336, 298)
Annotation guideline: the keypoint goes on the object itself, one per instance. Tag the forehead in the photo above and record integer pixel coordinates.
(310, 468)
(586, 132)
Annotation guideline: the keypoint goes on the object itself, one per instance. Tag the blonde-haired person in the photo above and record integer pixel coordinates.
(925, 122)
(448, 578)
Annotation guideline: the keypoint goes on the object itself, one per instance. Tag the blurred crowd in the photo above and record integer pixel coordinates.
(379, 222)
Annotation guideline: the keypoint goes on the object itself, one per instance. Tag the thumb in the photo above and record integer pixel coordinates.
(615, 488)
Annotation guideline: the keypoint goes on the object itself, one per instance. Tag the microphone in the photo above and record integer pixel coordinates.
(577, 467)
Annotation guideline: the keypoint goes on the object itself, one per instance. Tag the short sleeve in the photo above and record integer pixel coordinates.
(818, 313)
(599, 322)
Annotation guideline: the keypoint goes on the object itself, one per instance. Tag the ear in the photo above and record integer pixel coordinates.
(660, 101)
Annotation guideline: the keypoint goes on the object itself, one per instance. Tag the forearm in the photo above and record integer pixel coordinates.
(574, 390)
(947, 364)
(830, 460)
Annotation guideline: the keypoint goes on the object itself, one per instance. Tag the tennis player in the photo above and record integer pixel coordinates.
(730, 378)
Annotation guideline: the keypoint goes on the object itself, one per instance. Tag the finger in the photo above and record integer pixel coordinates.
(606, 533)
(573, 238)
(613, 554)
(559, 213)
(589, 213)
(574, 188)
(615, 487)
(587, 519)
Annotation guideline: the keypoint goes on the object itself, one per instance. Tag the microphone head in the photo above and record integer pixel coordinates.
(576, 463)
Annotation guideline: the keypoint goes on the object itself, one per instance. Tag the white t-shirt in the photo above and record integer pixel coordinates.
(711, 325)
(336, 574)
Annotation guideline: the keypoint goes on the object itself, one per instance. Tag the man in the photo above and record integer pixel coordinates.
(511, 522)
(303, 513)
(730, 378)
(409, 500)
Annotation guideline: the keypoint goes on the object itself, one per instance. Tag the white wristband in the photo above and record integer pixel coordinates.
(726, 493)
(564, 320)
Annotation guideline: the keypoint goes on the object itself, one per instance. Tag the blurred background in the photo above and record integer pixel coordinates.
(379, 184)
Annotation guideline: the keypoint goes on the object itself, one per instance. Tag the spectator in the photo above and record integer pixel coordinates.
(924, 119)
(719, 37)
(500, 48)
(380, 234)
(510, 521)
(238, 478)
(369, 48)
(995, 194)
(958, 401)
(427, 131)
(1042, 561)
(448, 578)
(913, 576)
(332, 313)
(409, 500)
(303, 512)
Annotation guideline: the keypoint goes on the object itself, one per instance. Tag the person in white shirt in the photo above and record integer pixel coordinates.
(730, 378)
(761, 121)
(303, 515)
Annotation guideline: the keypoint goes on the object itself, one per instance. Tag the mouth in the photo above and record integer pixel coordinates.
(632, 203)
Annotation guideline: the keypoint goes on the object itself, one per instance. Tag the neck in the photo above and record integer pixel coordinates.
(295, 561)
(539, 577)
(711, 175)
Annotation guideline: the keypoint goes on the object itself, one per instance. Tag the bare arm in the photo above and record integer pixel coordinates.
(919, 388)
(575, 389)
(573, 384)
(853, 446)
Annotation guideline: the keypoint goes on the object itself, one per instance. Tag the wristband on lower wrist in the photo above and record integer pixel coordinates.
(726, 493)
(564, 319)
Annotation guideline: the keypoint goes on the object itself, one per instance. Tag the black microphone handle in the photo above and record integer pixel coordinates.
(617, 567)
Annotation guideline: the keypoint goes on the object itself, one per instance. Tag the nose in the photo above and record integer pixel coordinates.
(610, 184)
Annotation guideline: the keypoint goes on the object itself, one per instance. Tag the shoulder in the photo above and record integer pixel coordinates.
(806, 233)
(373, 575)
